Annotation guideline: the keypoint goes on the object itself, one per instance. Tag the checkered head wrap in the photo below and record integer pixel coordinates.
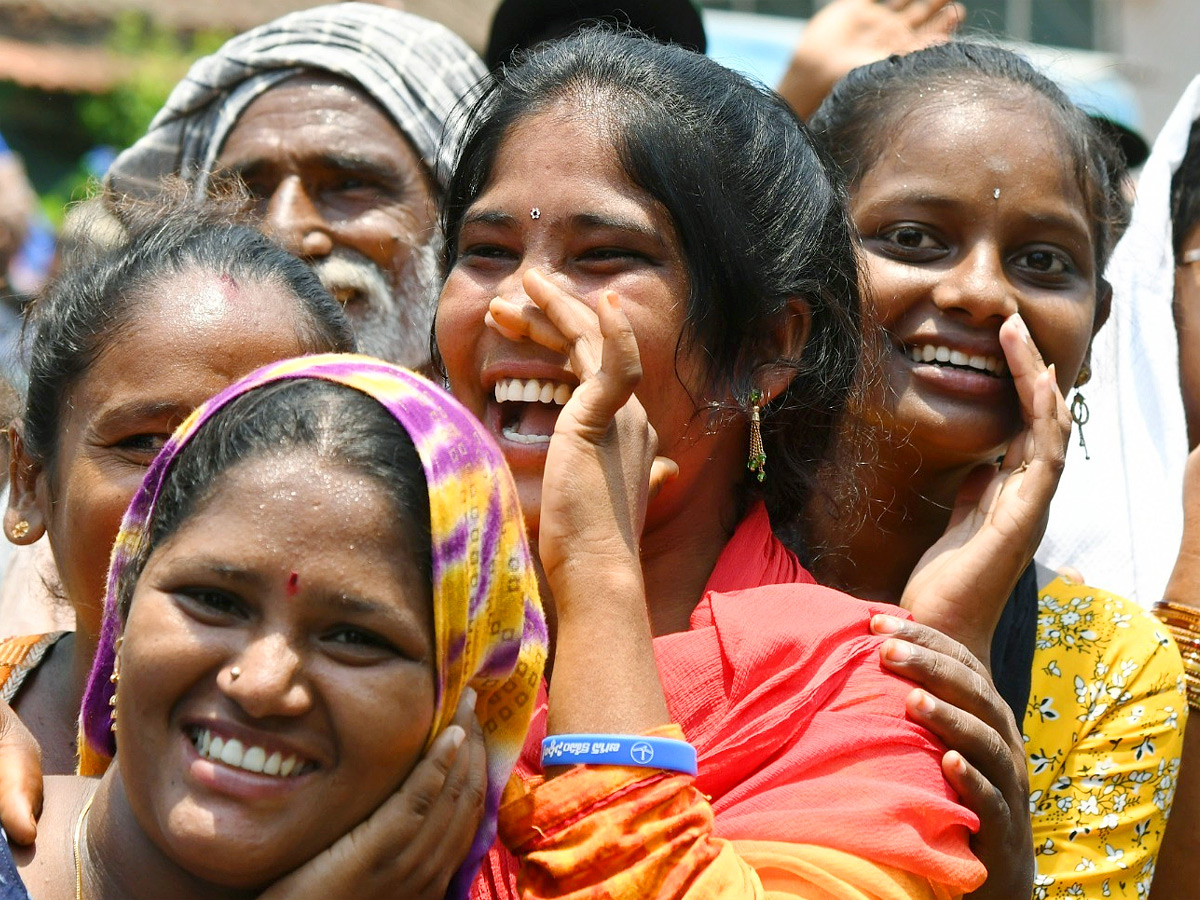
(415, 69)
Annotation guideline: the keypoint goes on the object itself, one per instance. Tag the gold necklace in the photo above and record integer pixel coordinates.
(78, 834)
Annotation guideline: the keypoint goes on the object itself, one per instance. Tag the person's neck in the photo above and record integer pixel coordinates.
(905, 508)
(120, 862)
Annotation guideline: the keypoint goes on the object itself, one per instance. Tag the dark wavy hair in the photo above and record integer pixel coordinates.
(101, 288)
(758, 208)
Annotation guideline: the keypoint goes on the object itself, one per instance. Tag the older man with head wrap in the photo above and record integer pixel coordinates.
(338, 120)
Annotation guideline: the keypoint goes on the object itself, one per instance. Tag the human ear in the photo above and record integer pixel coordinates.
(1103, 309)
(1104, 294)
(788, 339)
(23, 519)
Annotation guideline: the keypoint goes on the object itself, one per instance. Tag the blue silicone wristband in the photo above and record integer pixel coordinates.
(619, 750)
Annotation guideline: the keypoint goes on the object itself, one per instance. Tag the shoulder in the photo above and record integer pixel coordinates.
(1081, 619)
(19, 656)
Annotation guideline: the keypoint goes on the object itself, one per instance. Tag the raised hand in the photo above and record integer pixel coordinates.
(845, 34)
(986, 760)
(601, 470)
(414, 843)
(961, 584)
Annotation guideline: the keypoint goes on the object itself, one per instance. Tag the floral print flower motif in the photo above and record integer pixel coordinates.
(1103, 732)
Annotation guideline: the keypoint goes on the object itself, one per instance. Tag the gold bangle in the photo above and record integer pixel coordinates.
(1177, 613)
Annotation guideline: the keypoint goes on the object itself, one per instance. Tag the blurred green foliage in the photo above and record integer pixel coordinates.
(159, 58)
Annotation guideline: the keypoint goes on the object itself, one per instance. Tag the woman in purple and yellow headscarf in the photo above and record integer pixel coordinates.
(324, 559)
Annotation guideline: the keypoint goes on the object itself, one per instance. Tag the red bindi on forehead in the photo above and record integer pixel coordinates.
(293, 584)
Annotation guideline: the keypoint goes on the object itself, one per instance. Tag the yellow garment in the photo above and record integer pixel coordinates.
(1103, 735)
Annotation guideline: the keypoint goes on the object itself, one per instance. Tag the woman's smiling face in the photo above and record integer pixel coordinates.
(971, 213)
(295, 571)
(193, 336)
(559, 200)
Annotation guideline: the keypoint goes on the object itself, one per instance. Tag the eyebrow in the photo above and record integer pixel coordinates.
(584, 220)
(338, 162)
(149, 409)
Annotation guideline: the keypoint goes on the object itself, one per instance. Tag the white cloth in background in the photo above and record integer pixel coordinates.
(1118, 516)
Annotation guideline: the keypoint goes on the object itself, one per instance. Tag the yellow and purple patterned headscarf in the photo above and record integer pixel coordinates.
(488, 624)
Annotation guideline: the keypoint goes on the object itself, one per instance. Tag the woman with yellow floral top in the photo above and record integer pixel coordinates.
(988, 206)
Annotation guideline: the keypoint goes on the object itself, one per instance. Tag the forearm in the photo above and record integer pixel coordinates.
(605, 677)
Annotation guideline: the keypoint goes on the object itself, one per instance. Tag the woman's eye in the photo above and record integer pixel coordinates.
(358, 642)
(486, 252)
(212, 605)
(1045, 262)
(149, 444)
(910, 237)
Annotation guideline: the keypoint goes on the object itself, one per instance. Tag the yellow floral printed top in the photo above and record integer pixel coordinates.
(1103, 734)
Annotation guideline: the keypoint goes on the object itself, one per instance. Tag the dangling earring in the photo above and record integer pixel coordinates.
(757, 463)
(1079, 408)
(115, 678)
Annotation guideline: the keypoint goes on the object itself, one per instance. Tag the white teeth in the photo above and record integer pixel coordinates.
(511, 433)
(514, 390)
(254, 759)
(235, 754)
(232, 753)
(932, 353)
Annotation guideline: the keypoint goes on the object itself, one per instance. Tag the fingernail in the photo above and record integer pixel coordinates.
(896, 651)
(924, 703)
(883, 624)
(956, 762)
(455, 735)
(471, 696)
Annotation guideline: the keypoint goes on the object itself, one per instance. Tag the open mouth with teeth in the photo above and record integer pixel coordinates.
(957, 359)
(250, 758)
(529, 408)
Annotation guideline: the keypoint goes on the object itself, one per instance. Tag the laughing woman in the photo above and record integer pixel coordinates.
(628, 216)
(988, 207)
(319, 564)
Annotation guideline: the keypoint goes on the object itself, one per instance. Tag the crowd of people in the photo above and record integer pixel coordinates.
(638, 487)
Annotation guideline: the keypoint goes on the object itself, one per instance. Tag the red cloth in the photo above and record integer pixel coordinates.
(801, 734)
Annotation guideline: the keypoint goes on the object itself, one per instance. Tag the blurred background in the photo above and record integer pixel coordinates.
(80, 79)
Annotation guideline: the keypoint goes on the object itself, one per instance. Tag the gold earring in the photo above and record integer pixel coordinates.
(21, 529)
(1085, 375)
(115, 679)
(757, 462)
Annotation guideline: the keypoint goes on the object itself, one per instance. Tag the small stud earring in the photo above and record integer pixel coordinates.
(20, 529)
(235, 673)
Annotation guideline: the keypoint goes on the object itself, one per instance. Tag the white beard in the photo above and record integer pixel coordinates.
(390, 322)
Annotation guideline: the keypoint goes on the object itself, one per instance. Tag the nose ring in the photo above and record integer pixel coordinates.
(235, 673)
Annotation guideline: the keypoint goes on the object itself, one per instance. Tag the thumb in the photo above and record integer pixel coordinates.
(662, 471)
(20, 778)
